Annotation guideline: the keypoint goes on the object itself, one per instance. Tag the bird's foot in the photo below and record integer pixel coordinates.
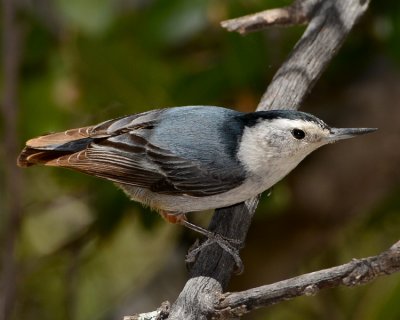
(231, 246)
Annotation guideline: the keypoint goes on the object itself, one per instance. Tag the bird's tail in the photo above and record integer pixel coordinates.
(48, 148)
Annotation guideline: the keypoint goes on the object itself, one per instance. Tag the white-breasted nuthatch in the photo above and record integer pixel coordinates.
(184, 159)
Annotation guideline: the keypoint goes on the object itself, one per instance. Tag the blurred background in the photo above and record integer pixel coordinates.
(74, 247)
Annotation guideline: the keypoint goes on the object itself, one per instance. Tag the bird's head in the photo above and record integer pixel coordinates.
(282, 138)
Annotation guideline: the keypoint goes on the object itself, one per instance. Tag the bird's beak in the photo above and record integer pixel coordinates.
(337, 134)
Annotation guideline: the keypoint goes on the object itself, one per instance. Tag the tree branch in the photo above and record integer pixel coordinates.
(329, 24)
(353, 273)
(299, 12)
(325, 34)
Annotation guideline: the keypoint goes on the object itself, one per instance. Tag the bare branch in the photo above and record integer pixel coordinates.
(299, 12)
(353, 273)
(325, 34)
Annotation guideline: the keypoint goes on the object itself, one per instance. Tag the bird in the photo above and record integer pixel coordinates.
(191, 158)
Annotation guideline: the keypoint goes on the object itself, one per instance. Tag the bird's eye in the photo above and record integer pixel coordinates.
(298, 134)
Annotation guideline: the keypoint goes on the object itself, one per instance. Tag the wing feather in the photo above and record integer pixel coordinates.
(144, 165)
(120, 150)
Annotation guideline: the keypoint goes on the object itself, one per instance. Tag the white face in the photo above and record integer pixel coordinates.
(292, 137)
(279, 145)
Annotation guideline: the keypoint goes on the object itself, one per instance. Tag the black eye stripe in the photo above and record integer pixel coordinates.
(298, 134)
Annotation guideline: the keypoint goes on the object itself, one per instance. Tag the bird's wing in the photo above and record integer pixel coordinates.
(131, 159)
(119, 151)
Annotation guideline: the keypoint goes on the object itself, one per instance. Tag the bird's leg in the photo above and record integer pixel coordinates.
(182, 220)
(231, 246)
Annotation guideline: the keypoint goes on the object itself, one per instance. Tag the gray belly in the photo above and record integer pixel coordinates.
(185, 203)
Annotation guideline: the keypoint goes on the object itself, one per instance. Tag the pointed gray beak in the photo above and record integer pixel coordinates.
(337, 134)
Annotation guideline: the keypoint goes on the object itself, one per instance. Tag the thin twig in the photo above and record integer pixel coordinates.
(353, 273)
(299, 12)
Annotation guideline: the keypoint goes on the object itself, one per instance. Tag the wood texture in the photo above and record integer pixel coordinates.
(356, 272)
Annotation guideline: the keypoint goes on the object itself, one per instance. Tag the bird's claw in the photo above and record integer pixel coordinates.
(231, 246)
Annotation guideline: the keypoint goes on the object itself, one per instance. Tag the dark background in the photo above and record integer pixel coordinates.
(84, 251)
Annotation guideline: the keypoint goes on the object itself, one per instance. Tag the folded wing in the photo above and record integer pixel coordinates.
(118, 150)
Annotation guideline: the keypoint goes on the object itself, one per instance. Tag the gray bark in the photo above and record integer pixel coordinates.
(356, 272)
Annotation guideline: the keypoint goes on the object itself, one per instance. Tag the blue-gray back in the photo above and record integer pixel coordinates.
(206, 134)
